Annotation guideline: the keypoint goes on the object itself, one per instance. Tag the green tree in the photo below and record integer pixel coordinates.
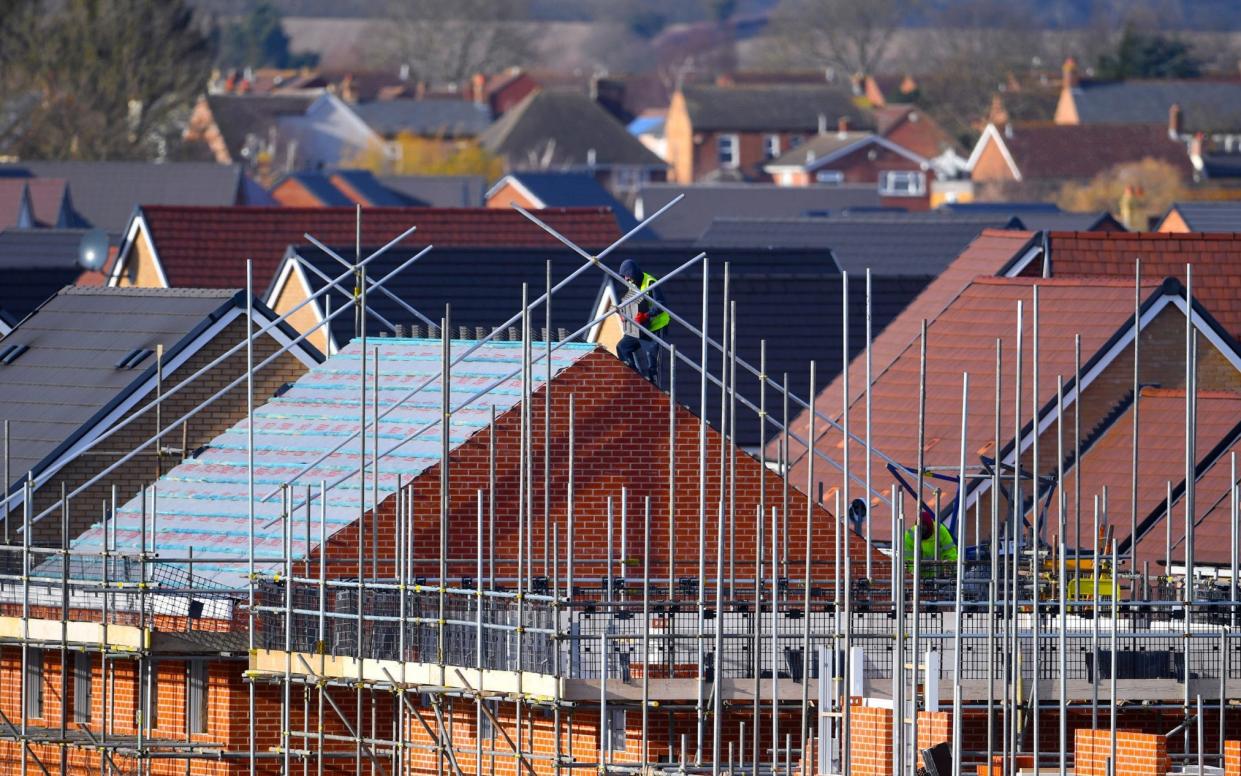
(1149, 55)
(259, 40)
(103, 79)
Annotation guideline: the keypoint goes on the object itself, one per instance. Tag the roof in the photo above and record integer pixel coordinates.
(1216, 259)
(703, 203)
(886, 243)
(1206, 105)
(62, 385)
(15, 207)
(430, 117)
(962, 339)
(557, 129)
(106, 193)
(318, 186)
(987, 256)
(567, 189)
(35, 264)
(208, 247)
(1108, 463)
(1040, 216)
(1072, 151)
(49, 198)
(439, 190)
(243, 117)
(203, 501)
(1210, 216)
(373, 193)
(824, 144)
(786, 108)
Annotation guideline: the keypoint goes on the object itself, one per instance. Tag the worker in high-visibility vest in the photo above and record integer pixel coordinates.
(926, 529)
(641, 321)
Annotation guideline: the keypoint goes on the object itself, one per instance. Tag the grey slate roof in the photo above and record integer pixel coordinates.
(817, 147)
(34, 265)
(1210, 216)
(887, 244)
(240, 117)
(689, 218)
(106, 193)
(571, 189)
(562, 128)
(772, 108)
(439, 190)
(1206, 106)
(428, 117)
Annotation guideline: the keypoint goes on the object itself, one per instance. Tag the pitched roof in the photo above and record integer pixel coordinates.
(439, 190)
(106, 193)
(49, 197)
(1216, 259)
(1041, 216)
(786, 108)
(567, 189)
(703, 203)
(430, 117)
(886, 243)
(35, 264)
(1108, 461)
(243, 117)
(208, 247)
(987, 256)
(203, 501)
(15, 207)
(557, 129)
(363, 187)
(69, 379)
(319, 186)
(1206, 105)
(1074, 151)
(1210, 216)
(960, 339)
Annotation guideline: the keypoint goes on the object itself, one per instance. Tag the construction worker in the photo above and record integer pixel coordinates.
(641, 321)
(927, 528)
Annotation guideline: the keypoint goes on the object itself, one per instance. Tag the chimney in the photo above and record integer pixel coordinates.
(822, 124)
(1195, 150)
(1174, 120)
(1068, 72)
(479, 83)
(404, 75)
(420, 90)
(1008, 130)
(842, 126)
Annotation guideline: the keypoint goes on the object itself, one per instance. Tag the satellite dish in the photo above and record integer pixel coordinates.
(93, 250)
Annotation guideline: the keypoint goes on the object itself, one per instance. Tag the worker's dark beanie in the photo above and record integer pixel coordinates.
(630, 269)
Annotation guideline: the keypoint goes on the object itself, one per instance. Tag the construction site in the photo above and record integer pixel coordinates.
(448, 550)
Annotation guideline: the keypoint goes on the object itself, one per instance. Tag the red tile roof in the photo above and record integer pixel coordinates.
(207, 247)
(1107, 463)
(986, 257)
(962, 339)
(1084, 150)
(1216, 259)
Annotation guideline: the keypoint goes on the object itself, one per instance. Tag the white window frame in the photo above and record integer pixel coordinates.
(771, 147)
(830, 177)
(914, 183)
(734, 151)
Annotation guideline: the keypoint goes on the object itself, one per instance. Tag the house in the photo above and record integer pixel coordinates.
(900, 175)
(173, 247)
(431, 117)
(329, 134)
(540, 190)
(567, 131)
(1185, 217)
(245, 128)
(309, 189)
(104, 194)
(35, 264)
(649, 128)
(730, 132)
(87, 363)
(1036, 159)
(437, 190)
(26, 203)
(914, 130)
(703, 203)
(963, 339)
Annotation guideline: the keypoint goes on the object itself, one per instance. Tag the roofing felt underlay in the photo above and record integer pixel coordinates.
(203, 503)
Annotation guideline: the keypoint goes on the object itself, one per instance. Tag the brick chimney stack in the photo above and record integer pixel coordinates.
(1175, 120)
(1068, 72)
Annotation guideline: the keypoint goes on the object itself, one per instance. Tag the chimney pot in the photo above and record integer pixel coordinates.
(842, 125)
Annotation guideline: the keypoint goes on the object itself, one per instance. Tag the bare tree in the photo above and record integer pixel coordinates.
(448, 41)
(851, 36)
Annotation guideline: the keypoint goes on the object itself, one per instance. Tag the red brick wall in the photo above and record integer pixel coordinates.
(1137, 754)
(871, 731)
(1232, 758)
(934, 727)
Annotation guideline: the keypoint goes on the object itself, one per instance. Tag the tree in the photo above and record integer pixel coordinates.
(259, 40)
(448, 41)
(103, 79)
(1149, 55)
(849, 35)
(411, 154)
(720, 11)
(1135, 192)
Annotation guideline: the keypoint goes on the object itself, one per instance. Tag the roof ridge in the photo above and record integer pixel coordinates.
(1064, 282)
(204, 293)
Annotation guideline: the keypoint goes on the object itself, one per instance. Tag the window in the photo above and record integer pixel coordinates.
(727, 147)
(81, 687)
(829, 176)
(196, 698)
(34, 683)
(771, 146)
(615, 730)
(148, 696)
(902, 183)
(486, 730)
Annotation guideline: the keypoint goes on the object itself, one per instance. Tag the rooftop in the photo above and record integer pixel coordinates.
(789, 108)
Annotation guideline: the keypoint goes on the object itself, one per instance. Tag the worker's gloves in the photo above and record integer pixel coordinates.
(642, 318)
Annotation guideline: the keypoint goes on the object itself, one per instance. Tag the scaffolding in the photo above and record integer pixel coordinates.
(750, 662)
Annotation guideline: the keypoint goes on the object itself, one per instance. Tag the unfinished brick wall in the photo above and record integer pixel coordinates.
(934, 727)
(1137, 754)
(142, 469)
(1232, 758)
(871, 729)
